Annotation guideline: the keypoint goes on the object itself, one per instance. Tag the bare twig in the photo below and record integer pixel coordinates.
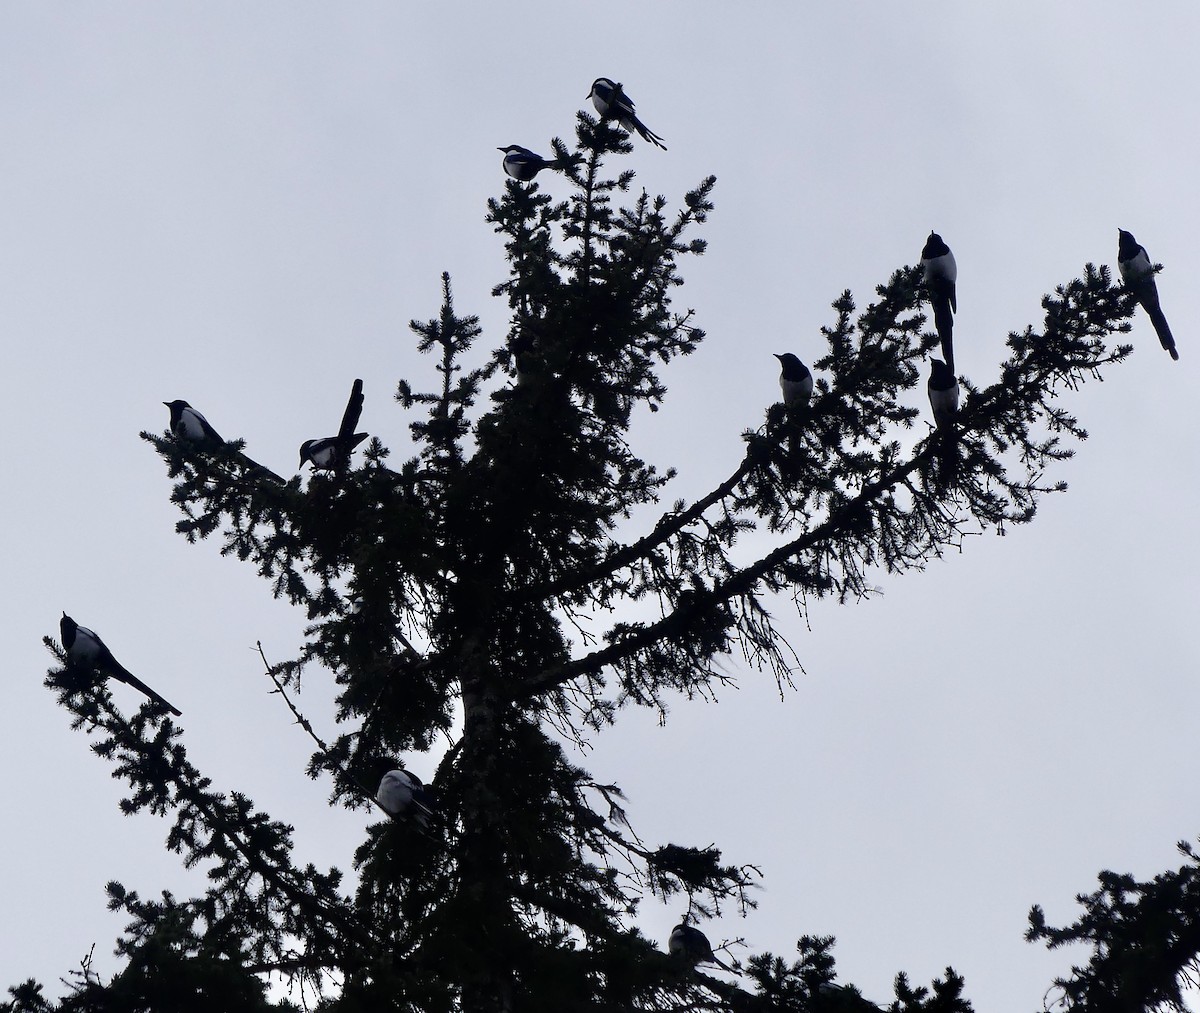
(301, 720)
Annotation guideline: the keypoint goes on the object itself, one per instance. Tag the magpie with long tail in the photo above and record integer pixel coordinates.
(795, 380)
(689, 943)
(403, 797)
(188, 426)
(332, 453)
(611, 102)
(941, 273)
(86, 650)
(1137, 272)
(943, 399)
(523, 164)
(943, 393)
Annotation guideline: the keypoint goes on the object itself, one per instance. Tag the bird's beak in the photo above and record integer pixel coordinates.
(499, 149)
(166, 404)
(779, 357)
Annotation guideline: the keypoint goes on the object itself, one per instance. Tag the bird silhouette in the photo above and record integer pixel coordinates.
(611, 102)
(795, 380)
(404, 797)
(943, 399)
(1137, 272)
(692, 945)
(523, 164)
(332, 453)
(188, 426)
(86, 650)
(941, 274)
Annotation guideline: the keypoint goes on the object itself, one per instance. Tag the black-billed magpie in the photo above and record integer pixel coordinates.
(523, 164)
(87, 650)
(690, 943)
(795, 380)
(611, 102)
(943, 399)
(941, 273)
(333, 452)
(404, 797)
(1137, 272)
(188, 426)
(943, 393)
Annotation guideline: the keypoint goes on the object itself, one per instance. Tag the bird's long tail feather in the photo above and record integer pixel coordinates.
(946, 455)
(254, 468)
(353, 411)
(1161, 327)
(122, 674)
(943, 320)
(647, 134)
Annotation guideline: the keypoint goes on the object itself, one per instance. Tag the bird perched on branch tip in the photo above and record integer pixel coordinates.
(86, 650)
(1137, 272)
(611, 102)
(523, 164)
(188, 426)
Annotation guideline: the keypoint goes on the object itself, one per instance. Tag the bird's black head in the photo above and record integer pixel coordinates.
(935, 246)
(304, 449)
(940, 375)
(176, 409)
(793, 368)
(1127, 246)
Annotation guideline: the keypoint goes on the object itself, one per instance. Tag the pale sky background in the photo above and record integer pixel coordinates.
(243, 205)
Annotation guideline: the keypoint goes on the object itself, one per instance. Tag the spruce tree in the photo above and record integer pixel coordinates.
(1144, 939)
(505, 589)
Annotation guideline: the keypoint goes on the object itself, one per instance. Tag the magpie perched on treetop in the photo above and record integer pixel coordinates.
(85, 649)
(941, 272)
(611, 102)
(795, 380)
(404, 797)
(188, 426)
(1137, 272)
(690, 943)
(333, 452)
(523, 164)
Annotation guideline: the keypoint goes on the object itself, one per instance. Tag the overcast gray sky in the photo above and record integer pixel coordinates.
(243, 205)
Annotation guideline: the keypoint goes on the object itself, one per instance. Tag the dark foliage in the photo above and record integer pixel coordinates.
(1145, 941)
(497, 587)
